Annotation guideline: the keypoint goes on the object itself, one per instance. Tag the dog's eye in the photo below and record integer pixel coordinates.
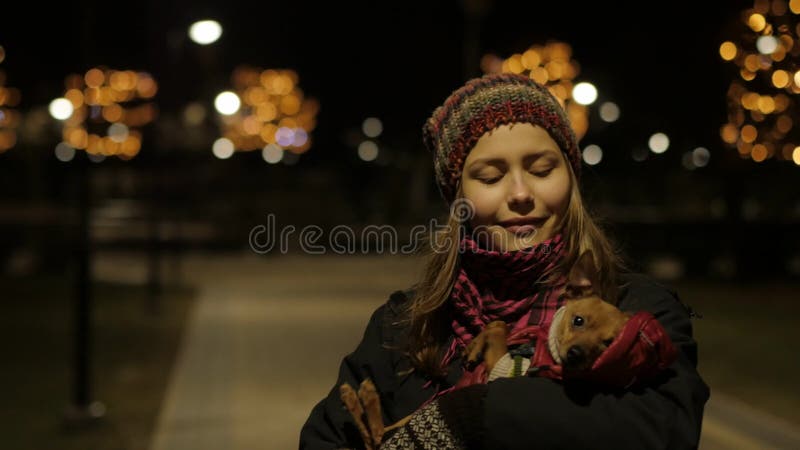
(577, 321)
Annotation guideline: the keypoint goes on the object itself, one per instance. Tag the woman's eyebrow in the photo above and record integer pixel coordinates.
(502, 161)
(488, 162)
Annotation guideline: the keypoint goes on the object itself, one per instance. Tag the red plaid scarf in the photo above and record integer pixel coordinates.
(494, 285)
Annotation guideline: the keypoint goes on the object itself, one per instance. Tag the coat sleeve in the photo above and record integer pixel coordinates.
(330, 426)
(665, 413)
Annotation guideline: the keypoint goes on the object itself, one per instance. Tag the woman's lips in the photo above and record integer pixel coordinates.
(521, 230)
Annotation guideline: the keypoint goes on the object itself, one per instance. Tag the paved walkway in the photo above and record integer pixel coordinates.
(266, 337)
(264, 345)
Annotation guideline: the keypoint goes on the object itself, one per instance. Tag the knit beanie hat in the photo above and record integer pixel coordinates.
(483, 104)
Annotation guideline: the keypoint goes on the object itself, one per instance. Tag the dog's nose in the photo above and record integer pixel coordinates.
(575, 356)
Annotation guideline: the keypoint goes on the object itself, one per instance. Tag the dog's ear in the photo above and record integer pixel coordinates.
(583, 277)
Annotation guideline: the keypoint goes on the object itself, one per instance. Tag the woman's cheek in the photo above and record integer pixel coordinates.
(485, 209)
(556, 193)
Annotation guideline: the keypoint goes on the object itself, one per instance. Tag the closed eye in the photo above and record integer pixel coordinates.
(543, 173)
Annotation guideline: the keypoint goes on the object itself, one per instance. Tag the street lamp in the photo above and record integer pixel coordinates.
(584, 93)
(205, 32)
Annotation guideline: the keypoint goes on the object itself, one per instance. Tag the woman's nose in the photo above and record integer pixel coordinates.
(520, 192)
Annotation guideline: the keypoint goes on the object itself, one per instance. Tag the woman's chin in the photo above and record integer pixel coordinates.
(521, 243)
(506, 241)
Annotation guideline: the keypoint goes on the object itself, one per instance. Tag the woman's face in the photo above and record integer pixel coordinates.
(518, 181)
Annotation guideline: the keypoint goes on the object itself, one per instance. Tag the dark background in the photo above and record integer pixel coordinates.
(102, 264)
(396, 61)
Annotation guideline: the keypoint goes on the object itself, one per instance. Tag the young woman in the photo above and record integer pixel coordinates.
(507, 161)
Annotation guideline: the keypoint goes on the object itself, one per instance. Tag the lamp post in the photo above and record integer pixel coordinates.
(101, 112)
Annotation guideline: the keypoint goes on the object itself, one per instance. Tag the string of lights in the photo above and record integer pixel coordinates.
(103, 112)
(267, 111)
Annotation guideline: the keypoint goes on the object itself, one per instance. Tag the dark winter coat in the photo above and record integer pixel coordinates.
(532, 412)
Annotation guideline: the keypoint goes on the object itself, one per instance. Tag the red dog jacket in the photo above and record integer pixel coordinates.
(641, 350)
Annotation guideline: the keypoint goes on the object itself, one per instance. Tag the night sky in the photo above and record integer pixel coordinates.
(393, 60)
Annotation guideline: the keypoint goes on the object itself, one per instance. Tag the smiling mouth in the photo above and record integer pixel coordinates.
(522, 230)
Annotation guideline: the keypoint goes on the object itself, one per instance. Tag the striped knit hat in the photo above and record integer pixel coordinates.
(483, 104)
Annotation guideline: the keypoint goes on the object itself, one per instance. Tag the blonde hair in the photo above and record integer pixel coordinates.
(427, 312)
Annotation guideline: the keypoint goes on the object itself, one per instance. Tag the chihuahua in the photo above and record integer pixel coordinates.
(580, 332)
(586, 325)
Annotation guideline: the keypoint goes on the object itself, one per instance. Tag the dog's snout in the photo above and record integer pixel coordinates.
(575, 356)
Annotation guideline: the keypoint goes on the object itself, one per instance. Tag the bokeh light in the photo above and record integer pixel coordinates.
(763, 52)
(592, 155)
(757, 22)
(9, 116)
(227, 103)
(766, 45)
(658, 143)
(550, 65)
(266, 107)
(108, 110)
(205, 32)
(609, 112)
(64, 152)
(222, 148)
(368, 151)
(701, 156)
(118, 132)
(60, 109)
(584, 93)
(272, 153)
(372, 127)
(727, 50)
(284, 136)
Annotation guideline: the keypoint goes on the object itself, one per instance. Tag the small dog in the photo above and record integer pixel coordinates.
(581, 330)
(586, 325)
